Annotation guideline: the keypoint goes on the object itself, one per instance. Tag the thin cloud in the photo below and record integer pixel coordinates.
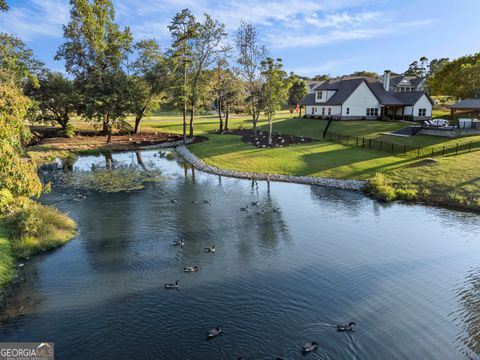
(37, 18)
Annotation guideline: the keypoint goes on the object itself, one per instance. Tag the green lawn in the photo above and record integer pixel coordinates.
(450, 176)
(321, 158)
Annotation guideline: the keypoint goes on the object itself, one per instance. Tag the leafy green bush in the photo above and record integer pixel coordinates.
(457, 199)
(406, 194)
(381, 188)
(7, 202)
(123, 127)
(68, 132)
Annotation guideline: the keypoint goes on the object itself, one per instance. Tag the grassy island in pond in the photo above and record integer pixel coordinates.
(29, 229)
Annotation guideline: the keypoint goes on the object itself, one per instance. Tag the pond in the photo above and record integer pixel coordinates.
(408, 276)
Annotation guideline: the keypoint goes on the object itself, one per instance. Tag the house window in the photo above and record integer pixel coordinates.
(422, 112)
(323, 111)
(372, 111)
(329, 111)
(348, 111)
(319, 95)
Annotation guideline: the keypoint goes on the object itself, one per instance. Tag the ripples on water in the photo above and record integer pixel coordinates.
(407, 275)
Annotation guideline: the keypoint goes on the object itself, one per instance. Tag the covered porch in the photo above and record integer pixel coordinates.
(395, 112)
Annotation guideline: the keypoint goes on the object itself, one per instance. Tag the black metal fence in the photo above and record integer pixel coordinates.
(407, 150)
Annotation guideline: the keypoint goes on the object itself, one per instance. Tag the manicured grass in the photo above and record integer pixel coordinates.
(451, 180)
(320, 158)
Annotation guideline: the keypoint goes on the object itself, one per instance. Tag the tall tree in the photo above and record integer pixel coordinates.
(56, 98)
(274, 90)
(251, 54)
(149, 79)
(205, 48)
(456, 78)
(183, 29)
(297, 91)
(18, 60)
(95, 51)
(3, 5)
(17, 174)
(17, 69)
(227, 90)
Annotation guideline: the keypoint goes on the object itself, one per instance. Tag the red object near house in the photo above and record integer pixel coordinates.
(297, 109)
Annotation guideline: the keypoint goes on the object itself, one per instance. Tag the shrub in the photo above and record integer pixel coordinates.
(457, 199)
(40, 228)
(68, 132)
(7, 203)
(381, 188)
(406, 194)
(123, 127)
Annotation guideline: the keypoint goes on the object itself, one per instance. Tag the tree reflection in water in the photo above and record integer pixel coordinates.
(469, 313)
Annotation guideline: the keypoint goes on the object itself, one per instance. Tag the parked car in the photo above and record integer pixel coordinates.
(436, 123)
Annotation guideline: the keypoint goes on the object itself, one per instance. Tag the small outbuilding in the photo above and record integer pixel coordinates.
(467, 105)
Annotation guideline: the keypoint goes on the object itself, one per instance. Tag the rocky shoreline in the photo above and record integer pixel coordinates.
(355, 185)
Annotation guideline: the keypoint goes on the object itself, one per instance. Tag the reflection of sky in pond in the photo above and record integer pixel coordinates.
(276, 280)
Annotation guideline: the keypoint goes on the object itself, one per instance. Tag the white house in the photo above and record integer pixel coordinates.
(361, 99)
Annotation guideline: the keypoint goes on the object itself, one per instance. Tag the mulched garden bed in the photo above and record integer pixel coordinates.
(261, 140)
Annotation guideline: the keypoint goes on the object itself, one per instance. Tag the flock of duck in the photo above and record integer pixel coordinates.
(308, 347)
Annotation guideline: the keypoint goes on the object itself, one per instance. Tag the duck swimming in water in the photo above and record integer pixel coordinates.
(309, 347)
(172, 286)
(276, 210)
(173, 201)
(214, 332)
(210, 249)
(254, 203)
(179, 243)
(208, 201)
(244, 208)
(348, 327)
(190, 268)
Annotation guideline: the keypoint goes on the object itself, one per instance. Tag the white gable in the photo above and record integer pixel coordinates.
(359, 101)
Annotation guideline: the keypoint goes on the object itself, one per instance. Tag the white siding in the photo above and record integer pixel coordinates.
(424, 103)
(408, 110)
(326, 95)
(317, 110)
(358, 102)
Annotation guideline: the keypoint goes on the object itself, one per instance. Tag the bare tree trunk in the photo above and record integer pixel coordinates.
(270, 130)
(227, 113)
(219, 105)
(300, 114)
(184, 112)
(255, 118)
(192, 114)
(136, 130)
(257, 115)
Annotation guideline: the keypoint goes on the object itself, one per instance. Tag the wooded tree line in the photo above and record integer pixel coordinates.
(110, 76)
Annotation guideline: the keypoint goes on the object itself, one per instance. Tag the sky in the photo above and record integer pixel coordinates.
(312, 37)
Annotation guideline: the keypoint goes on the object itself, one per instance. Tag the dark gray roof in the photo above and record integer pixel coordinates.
(410, 98)
(384, 97)
(467, 104)
(343, 89)
(308, 100)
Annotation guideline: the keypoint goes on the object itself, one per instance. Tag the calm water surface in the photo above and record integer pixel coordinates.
(409, 276)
